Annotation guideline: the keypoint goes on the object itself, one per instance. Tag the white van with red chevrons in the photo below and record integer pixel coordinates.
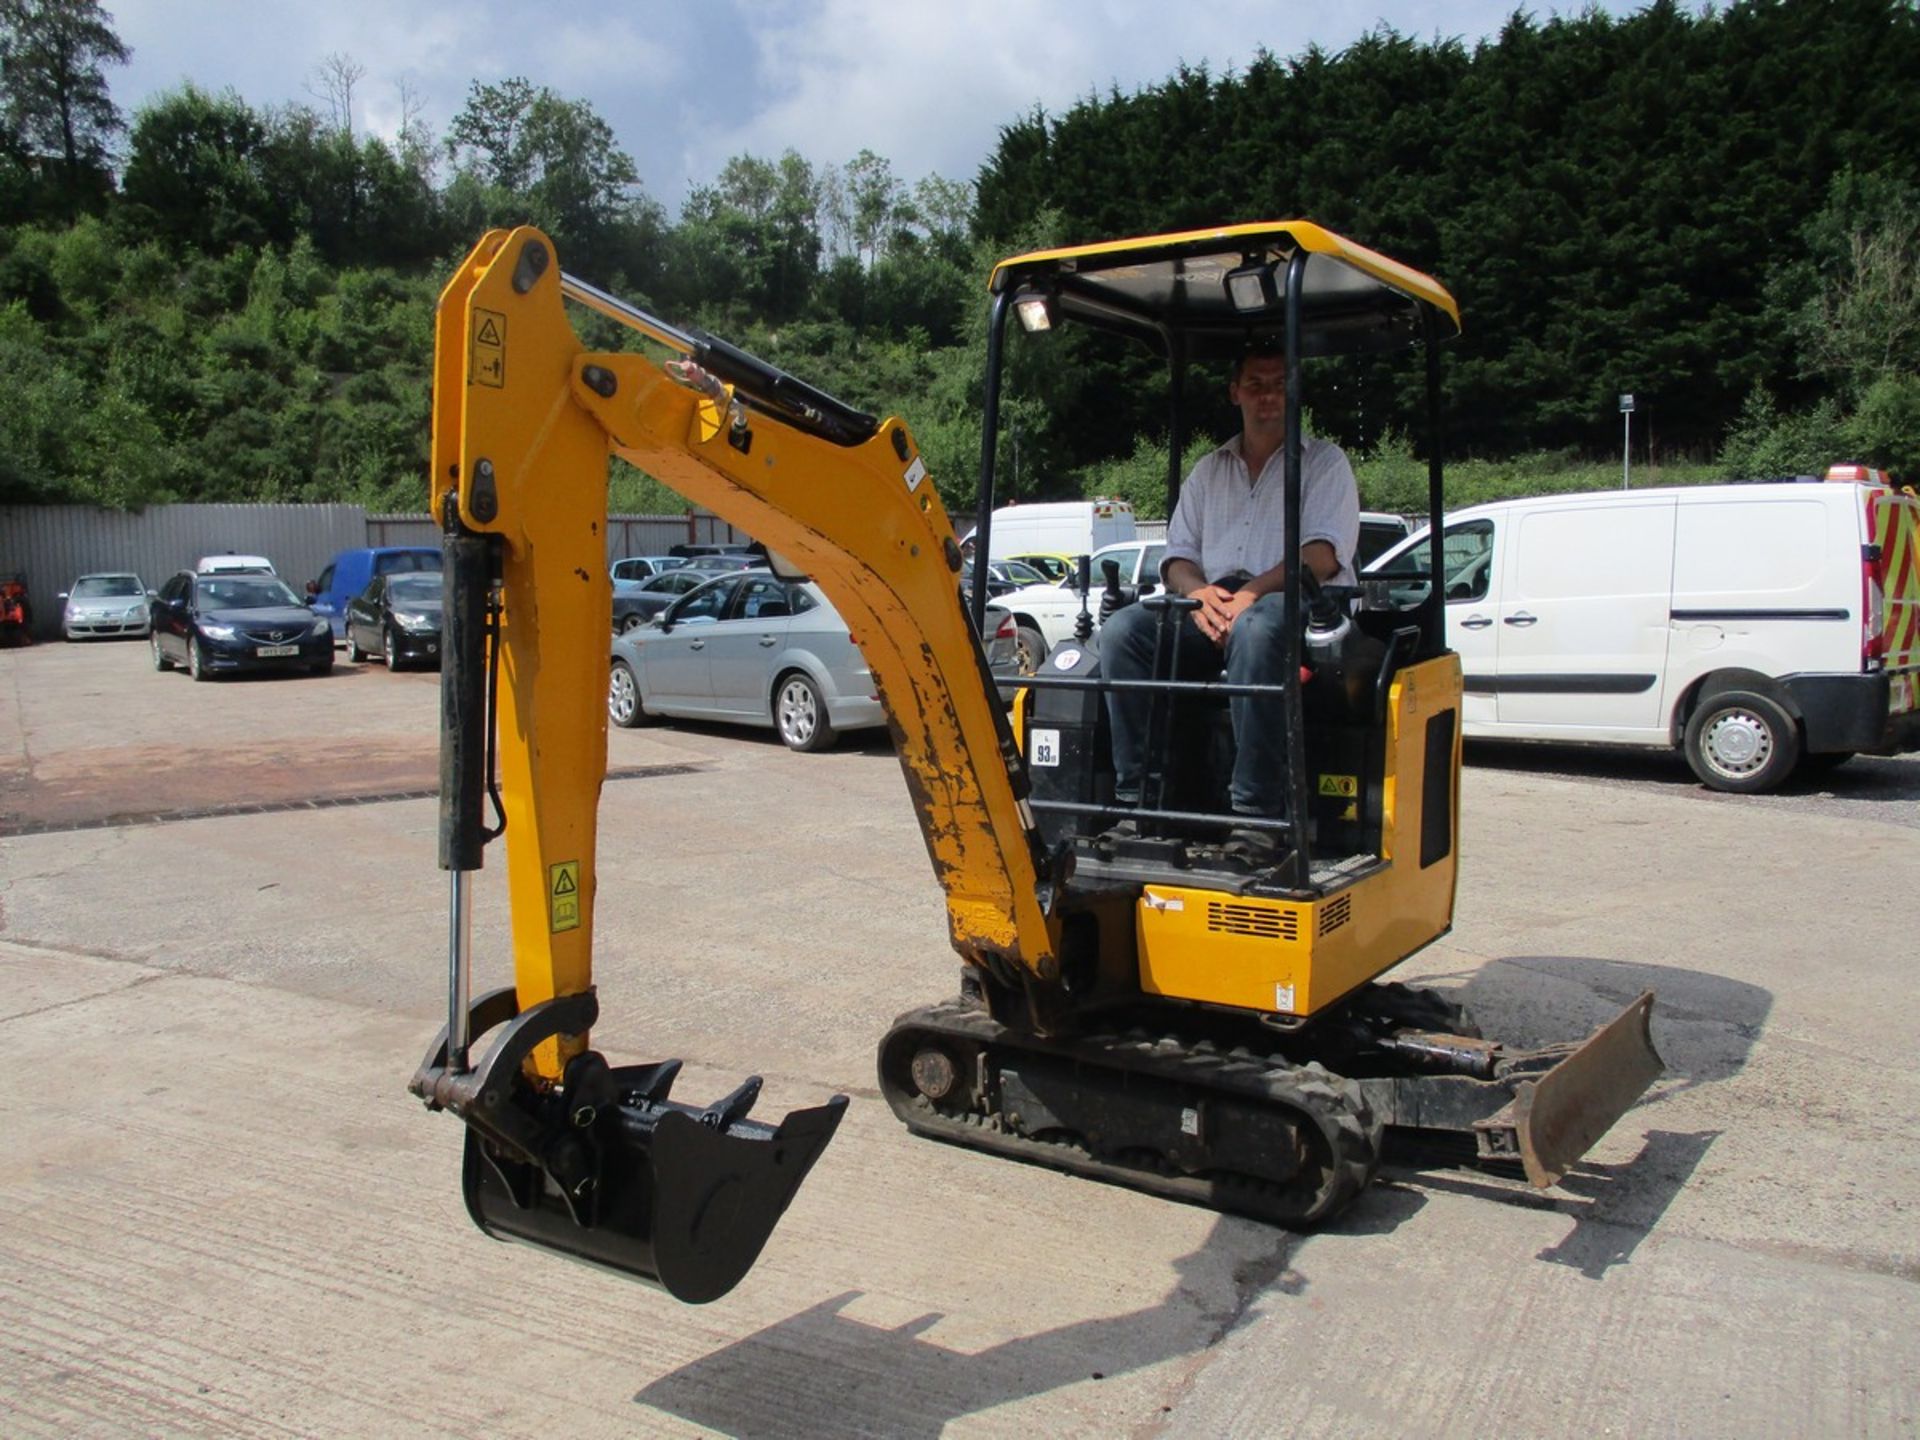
(1760, 628)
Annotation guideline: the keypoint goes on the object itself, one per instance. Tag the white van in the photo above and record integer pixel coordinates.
(1758, 627)
(1066, 527)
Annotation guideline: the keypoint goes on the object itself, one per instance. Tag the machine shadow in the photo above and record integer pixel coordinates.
(1704, 1026)
(823, 1372)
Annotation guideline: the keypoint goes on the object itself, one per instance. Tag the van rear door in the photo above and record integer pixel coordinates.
(1893, 566)
(1583, 616)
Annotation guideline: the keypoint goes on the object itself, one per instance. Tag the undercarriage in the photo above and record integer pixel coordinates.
(1285, 1125)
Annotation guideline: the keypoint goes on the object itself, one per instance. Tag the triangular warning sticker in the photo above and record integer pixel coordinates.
(563, 882)
(489, 334)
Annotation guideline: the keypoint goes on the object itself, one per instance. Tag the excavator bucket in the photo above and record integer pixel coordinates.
(606, 1169)
(1557, 1118)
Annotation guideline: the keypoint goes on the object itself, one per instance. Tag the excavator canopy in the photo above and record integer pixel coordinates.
(1214, 287)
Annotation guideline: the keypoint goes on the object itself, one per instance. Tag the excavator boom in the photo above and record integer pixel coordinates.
(563, 1150)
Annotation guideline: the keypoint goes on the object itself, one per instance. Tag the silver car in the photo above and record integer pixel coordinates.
(751, 648)
(759, 650)
(104, 604)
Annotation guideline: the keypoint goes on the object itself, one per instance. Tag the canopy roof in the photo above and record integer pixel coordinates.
(1159, 288)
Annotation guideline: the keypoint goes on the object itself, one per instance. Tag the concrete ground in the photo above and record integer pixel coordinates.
(222, 954)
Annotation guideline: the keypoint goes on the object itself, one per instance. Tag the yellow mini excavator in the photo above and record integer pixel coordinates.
(1147, 1004)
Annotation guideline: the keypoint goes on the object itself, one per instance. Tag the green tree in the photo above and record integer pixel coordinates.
(530, 155)
(751, 240)
(54, 105)
(196, 173)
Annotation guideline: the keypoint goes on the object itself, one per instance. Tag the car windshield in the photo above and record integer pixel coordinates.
(245, 592)
(98, 586)
(414, 589)
(1021, 573)
(676, 582)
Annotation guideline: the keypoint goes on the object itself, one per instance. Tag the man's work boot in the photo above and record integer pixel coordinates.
(1257, 849)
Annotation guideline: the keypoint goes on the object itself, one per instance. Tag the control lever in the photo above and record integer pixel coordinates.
(1083, 625)
(1112, 598)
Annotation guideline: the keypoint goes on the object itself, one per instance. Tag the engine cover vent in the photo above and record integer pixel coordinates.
(1260, 922)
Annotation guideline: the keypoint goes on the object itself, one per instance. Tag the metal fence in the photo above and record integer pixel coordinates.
(49, 546)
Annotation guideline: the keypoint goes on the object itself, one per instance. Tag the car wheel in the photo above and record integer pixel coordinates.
(197, 660)
(1742, 742)
(1029, 648)
(160, 660)
(631, 623)
(354, 652)
(623, 697)
(800, 715)
(390, 652)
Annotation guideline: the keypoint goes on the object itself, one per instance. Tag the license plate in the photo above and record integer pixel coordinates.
(267, 650)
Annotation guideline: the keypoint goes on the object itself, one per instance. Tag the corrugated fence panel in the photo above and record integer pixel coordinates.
(626, 534)
(52, 545)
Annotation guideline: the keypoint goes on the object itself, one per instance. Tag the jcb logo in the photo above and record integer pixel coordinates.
(1346, 787)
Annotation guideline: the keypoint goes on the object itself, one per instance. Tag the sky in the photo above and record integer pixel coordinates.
(687, 84)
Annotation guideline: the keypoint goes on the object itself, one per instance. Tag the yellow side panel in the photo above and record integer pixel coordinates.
(1297, 957)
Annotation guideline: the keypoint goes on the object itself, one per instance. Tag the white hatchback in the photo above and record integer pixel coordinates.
(1045, 615)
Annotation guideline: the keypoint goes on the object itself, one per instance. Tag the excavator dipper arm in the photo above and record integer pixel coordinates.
(563, 1150)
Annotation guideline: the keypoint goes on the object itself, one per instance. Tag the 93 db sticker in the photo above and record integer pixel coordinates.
(563, 896)
(1043, 747)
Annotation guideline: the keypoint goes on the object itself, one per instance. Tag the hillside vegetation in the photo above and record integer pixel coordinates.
(1716, 211)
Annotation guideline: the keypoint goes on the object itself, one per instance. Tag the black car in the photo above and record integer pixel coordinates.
(636, 602)
(398, 617)
(225, 624)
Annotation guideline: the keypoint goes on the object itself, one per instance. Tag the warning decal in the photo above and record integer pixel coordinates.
(488, 363)
(1345, 786)
(563, 895)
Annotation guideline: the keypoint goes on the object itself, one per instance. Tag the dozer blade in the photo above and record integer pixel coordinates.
(1558, 1117)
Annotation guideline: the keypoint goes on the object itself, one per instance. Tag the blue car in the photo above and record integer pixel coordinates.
(352, 570)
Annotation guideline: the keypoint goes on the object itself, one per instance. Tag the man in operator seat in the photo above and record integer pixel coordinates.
(1227, 548)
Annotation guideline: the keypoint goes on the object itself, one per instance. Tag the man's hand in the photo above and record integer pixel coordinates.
(1218, 610)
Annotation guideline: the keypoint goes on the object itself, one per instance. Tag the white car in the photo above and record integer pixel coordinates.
(105, 604)
(232, 564)
(1044, 616)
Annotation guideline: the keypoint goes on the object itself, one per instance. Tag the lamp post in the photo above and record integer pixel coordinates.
(1626, 443)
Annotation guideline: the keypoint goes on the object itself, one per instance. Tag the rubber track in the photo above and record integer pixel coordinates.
(1334, 1106)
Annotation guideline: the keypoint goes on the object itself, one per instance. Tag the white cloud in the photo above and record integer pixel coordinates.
(926, 84)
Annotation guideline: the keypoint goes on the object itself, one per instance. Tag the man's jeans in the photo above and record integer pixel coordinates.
(1256, 654)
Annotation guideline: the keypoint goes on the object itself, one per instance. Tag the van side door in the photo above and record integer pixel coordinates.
(1583, 618)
